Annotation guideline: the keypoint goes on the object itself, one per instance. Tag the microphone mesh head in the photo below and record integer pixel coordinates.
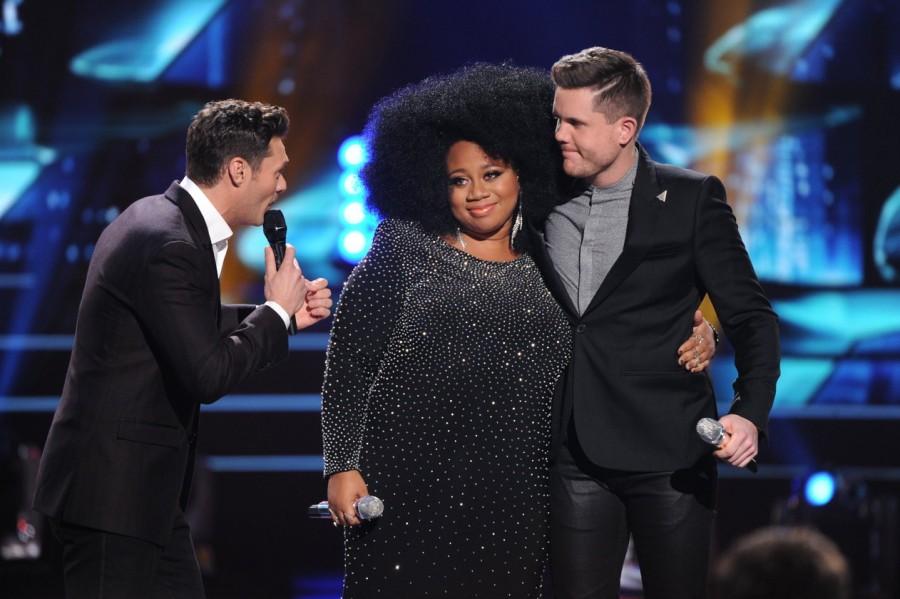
(710, 431)
(274, 226)
(369, 507)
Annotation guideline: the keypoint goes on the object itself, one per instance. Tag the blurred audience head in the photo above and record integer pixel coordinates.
(782, 563)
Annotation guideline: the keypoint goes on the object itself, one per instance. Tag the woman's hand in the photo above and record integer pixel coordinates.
(696, 353)
(344, 489)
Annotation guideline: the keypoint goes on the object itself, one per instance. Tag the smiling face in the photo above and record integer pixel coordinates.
(483, 191)
(264, 185)
(593, 148)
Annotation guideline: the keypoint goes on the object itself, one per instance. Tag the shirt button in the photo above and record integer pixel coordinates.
(580, 328)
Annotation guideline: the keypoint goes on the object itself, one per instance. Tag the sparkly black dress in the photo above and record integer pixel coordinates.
(440, 374)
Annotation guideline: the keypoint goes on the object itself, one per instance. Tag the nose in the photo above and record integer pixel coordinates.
(561, 134)
(477, 191)
(282, 184)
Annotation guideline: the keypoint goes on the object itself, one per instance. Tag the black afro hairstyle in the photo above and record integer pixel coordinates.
(506, 110)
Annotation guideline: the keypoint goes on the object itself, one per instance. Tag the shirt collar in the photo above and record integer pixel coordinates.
(626, 183)
(218, 229)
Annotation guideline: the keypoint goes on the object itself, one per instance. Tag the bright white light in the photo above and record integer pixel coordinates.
(820, 488)
(354, 242)
(351, 185)
(353, 153)
(353, 213)
(353, 245)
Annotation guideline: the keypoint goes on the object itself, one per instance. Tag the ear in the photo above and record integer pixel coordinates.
(627, 129)
(238, 171)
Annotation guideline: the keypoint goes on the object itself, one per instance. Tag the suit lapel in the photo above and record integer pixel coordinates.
(643, 212)
(551, 277)
(199, 232)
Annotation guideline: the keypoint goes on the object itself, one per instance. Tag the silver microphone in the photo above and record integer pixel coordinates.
(367, 508)
(714, 433)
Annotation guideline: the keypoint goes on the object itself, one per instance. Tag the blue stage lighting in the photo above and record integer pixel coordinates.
(820, 488)
(351, 185)
(156, 41)
(353, 153)
(353, 245)
(353, 212)
(11, 24)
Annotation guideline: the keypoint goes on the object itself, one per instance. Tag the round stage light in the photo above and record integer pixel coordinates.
(353, 245)
(351, 185)
(353, 153)
(820, 488)
(353, 212)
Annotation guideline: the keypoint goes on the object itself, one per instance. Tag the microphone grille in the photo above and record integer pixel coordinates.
(369, 507)
(710, 430)
(274, 226)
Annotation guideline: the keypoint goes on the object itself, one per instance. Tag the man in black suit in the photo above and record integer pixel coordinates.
(630, 257)
(153, 341)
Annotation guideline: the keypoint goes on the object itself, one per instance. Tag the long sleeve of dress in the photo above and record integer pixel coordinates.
(364, 319)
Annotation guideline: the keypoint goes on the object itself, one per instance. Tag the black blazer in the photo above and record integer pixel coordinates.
(632, 407)
(152, 343)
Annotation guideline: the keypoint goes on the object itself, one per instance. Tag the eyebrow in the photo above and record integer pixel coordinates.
(568, 119)
(484, 165)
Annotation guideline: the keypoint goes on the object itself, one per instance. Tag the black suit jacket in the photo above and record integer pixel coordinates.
(152, 343)
(630, 404)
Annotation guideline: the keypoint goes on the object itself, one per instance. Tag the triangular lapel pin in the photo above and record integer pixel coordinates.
(662, 197)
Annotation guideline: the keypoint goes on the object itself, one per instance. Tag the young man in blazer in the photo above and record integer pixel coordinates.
(153, 342)
(630, 257)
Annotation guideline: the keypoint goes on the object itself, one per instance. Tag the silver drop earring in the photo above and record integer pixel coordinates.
(459, 239)
(517, 223)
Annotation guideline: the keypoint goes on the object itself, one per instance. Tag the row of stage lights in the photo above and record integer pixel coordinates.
(358, 223)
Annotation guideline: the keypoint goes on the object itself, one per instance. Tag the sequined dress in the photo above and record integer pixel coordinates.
(439, 379)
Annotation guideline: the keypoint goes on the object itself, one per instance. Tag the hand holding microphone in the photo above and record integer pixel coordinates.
(736, 439)
(345, 492)
(285, 284)
(367, 507)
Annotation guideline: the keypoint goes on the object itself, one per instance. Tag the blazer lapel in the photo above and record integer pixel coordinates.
(199, 232)
(551, 277)
(643, 212)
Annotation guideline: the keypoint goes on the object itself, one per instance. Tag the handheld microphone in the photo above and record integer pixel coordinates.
(276, 232)
(714, 433)
(367, 508)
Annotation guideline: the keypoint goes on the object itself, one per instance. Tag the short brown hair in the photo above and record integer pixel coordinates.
(622, 85)
(783, 562)
(228, 128)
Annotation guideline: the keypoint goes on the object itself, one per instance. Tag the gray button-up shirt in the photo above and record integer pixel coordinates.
(585, 236)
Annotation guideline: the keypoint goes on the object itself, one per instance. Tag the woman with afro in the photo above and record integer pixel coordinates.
(446, 345)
